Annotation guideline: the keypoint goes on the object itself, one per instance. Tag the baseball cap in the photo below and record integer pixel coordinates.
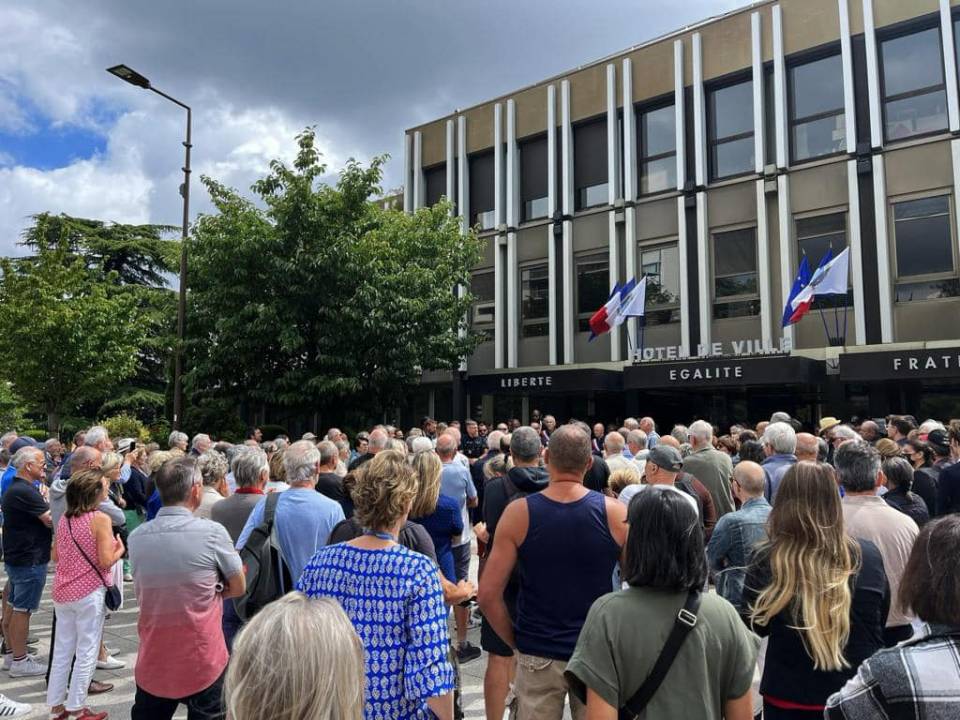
(940, 441)
(666, 457)
(20, 443)
(827, 423)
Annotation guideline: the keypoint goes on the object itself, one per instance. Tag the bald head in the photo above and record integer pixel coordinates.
(83, 458)
(568, 452)
(750, 478)
(446, 446)
(377, 441)
(670, 440)
(613, 443)
(807, 447)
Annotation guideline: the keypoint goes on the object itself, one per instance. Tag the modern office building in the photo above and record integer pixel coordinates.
(710, 161)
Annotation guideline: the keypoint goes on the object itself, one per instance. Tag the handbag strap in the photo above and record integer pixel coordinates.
(685, 621)
(86, 557)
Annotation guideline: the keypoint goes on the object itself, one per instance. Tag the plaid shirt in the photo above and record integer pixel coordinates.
(919, 678)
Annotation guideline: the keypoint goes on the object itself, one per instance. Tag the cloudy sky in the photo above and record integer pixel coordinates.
(74, 139)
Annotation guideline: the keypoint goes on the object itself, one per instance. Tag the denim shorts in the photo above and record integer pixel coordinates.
(26, 586)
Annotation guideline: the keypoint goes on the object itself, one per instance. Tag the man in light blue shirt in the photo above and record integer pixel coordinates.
(304, 517)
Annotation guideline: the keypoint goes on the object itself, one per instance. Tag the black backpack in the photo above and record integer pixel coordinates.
(266, 573)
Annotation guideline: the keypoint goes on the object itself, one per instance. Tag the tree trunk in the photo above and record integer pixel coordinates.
(53, 420)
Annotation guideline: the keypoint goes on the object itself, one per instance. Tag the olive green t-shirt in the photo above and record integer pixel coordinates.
(624, 634)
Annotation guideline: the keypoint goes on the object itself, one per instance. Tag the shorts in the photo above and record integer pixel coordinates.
(491, 642)
(26, 586)
(461, 561)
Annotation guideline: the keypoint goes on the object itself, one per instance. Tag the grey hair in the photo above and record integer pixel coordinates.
(781, 437)
(930, 425)
(780, 416)
(823, 449)
(328, 452)
(300, 462)
(22, 456)
(701, 431)
(631, 424)
(175, 478)
(342, 445)
(613, 442)
(898, 472)
(199, 438)
(525, 444)
(638, 438)
(176, 437)
(845, 432)
(493, 440)
(249, 465)
(333, 434)
(857, 465)
(399, 445)
(50, 443)
(213, 467)
(446, 445)
(421, 444)
(96, 435)
(8, 437)
(681, 433)
(378, 439)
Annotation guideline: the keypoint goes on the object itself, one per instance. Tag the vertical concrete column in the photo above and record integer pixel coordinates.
(551, 210)
(629, 187)
(407, 173)
(784, 211)
(785, 223)
(703, 263)
(759, 151)
(873, 76)
(679, 115)
(883, 248)
(463, 172)
(613, 194)
(513, 285)
(759, 140)
(699, 114)
(684, 283)
(451, 165)
(569, 320)
(418, 193)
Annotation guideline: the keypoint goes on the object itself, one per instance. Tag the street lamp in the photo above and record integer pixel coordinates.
(134, 78)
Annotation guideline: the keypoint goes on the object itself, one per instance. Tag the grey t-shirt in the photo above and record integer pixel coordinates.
(624, 634)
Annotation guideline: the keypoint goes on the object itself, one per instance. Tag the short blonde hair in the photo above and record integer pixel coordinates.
(158, 458)
(318, 680)
(427, 466)
(386, 486)
(278, 471)
(110, 461)
(619, 479)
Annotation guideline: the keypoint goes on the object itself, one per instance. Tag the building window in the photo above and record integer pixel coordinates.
(534, 305)
(914, 93)
(816, 236)
(590, 164)
(482, 190)
(593, 280)
(533, 179)
(735, 274)
(769, 118)
(730, 123)
(483, 289)
(817, 124)
(661, 265)
(926, 268)
(435, 182)
(658, 150)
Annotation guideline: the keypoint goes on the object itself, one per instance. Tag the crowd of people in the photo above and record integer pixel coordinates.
(612, 570)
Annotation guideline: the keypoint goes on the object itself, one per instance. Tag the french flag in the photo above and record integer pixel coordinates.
(793, 311)
(605, 318)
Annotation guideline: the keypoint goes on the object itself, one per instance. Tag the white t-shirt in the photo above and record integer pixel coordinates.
(631, 490)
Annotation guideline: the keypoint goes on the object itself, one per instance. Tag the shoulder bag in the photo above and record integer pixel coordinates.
(113, 599)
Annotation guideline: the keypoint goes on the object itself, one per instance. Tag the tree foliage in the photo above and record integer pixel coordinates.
(68, 338)
(320, 296)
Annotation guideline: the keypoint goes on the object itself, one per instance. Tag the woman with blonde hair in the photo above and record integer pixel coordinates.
(393, 597)
(437, 513)
(619, 479)
(819, 595)
(278, 473)
(318, 680)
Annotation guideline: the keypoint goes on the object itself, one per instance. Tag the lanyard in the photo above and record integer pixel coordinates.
(381, 535)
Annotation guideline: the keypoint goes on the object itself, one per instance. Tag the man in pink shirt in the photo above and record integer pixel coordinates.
(183, 567)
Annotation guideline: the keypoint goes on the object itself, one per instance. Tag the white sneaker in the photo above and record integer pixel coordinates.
(28, 667)
(7, 660)
(12, 709)
(111, 663)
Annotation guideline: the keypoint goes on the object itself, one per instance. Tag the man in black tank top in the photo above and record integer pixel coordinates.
(565, 543)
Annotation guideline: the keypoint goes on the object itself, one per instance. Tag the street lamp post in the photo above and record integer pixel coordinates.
(134, 78)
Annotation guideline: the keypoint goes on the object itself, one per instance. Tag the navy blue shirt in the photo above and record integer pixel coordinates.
(443, 525)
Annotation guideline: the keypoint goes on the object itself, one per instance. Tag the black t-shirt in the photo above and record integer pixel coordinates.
(412, 536)
(473, 447)
(331, 485)
(597, 476)
(26, 540)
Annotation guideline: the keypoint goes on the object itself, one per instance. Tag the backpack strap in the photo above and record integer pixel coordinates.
(270, 509)
(685, 621)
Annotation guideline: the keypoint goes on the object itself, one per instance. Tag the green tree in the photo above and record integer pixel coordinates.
(67, 333)
(12, 411)
(320, 297)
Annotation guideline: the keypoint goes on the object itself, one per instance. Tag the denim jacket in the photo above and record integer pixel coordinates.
(731, 544)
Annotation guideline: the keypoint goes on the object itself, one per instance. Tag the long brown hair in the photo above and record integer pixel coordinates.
(811, 561)
(84, 492)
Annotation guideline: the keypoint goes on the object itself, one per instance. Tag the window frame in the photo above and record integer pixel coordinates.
(739, 78)
(911, 27)
(579, 193)
(639, 110)
(658, 244)
(829, 51)
(525, 321)
(743, 297)
(591, 257)
(523, 217)
(482, 325)
(953, 274)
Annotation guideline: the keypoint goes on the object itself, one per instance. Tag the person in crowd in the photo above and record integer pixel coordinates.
(177, 443)
(565, 541)
(728, 444)
(182, 567)
(867, 517)
(620, 479)
(343, 458)
(650, 428)
(549, 425)
(596, 439)
(898, 428)
(820, 596)
(213, 469)
(200, 444)
(870, 431)
(948, 492)
(251, 472)
(938, 440)
(917, 678)
(360, 447)
(329, 482)
(318, 680)
(737, 534)
(925, 476)
(889, 449)
(663, 467)
(807, 448)
(440, 516)
(526, 476)
(53, 456)
(377, 441)
(254, 434)
(682, 433)
(477, 474)
(456, 483)
(392, 596)
(154, 503)
(473, 446)
(134, 491)
(26, 538)
(779, 446)
(696, 489)
(304, 518)
(711, 467)
(624, 632)
(597, 474)
(85, 552)
(752, 450)
(898, 479)
(613, 445)
(278, 472)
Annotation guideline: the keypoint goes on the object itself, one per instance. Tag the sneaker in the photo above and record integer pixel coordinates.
(28, 667)
(88, 714)
(127, 577)
(12, 709)
(111, 663)
(110, 651)
(467, 652)
(7, 660)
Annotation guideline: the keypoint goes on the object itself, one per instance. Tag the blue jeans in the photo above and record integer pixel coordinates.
(26, 586)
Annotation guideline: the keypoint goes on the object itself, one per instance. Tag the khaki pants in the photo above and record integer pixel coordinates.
(541, 690)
